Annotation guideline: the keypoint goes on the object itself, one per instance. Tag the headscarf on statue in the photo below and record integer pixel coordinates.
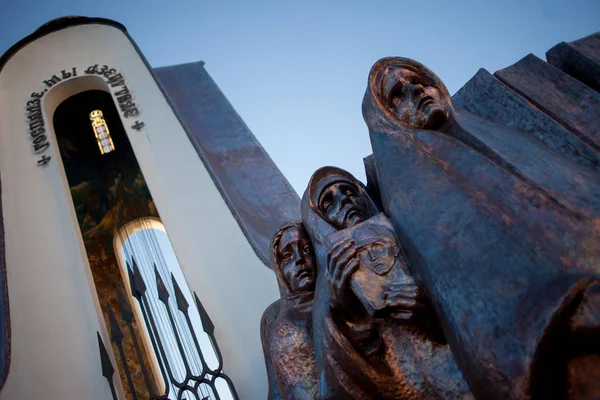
(502, 232)
(286, 327)
(373, 356)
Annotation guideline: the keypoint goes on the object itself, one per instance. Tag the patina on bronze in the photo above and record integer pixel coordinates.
(502, 232)
(373, 331)
(488, 244)
(286, 327)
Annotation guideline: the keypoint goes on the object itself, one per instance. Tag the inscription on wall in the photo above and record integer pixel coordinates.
(37, 129)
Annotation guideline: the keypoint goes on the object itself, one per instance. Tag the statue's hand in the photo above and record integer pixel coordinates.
(403, 299)
(341, 264)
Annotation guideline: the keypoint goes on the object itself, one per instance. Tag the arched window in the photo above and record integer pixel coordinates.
(176, 329)
(161, 336)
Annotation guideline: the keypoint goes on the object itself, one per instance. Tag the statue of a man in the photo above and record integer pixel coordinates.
(286, 326)
(502, 232)
(373, 331)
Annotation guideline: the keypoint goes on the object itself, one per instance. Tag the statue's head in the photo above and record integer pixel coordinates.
(293, 259)
(409, 92)
(338, 198)
(378, 248)
(381, 263)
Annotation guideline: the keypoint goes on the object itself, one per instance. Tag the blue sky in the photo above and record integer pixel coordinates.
(296, 71)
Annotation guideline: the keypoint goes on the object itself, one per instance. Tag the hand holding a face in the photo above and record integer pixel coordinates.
(341, 264)
(388, 289)
(402, 298)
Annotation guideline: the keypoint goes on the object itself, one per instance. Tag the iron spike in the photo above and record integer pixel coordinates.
(138, 281)
(182, 303)
(207, 324)
(163, 293)
(115, 331)
(107, 368)
(124, 306)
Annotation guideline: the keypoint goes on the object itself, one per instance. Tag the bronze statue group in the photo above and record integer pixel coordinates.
(471, 270)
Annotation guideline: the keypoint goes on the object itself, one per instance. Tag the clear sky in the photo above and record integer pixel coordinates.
(296, 71)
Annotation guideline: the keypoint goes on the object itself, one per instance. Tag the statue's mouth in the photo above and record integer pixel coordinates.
(352, 214)
(304, 273)
(381, 268)
(424, 102)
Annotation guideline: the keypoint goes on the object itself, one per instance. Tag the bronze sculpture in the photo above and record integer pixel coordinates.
(506, 245)
(286, 327)
(373, 334)
(472, 267)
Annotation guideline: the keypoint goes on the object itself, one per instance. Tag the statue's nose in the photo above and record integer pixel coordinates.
(339, 204)
(371, 255)
(300, 260)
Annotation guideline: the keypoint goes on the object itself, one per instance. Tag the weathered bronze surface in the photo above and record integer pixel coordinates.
(501, 230)
(256, 192)
(374, 333)
(580, 59)
(487, 97)
(286, 326)
(469, 267)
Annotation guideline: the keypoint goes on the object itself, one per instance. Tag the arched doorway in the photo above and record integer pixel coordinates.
(111, 201)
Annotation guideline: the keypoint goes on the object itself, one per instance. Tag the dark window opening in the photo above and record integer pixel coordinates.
(162, 351)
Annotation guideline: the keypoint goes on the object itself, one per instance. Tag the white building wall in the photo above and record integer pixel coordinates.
(53, 304)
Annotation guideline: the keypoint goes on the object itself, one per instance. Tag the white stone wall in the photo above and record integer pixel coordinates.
(54, 308)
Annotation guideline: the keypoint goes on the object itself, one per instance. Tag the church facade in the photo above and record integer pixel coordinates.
(137, 208)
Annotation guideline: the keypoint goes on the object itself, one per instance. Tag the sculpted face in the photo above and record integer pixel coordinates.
(379, 256)
(296, 260)
(413, 99)
(380, 282)
(342, 205)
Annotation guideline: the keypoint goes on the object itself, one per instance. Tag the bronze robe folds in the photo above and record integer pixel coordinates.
(286, 334)
(507, 246)
(381, 358)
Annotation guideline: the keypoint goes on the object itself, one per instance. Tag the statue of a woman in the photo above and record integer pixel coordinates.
(374, 334)
(502, 232)
(286, 326)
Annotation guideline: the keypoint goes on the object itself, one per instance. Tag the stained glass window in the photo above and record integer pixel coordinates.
(105, 142)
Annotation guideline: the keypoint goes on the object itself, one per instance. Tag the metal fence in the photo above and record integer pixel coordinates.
(184, 370)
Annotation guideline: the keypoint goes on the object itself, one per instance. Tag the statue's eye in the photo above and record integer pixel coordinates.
(396, 95)
(286, 256)
(378, 247)
(306, 250)
(349, 192)
(326, 205)
(398, 91)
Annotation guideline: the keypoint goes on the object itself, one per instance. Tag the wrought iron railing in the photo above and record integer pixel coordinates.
(190, 377)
